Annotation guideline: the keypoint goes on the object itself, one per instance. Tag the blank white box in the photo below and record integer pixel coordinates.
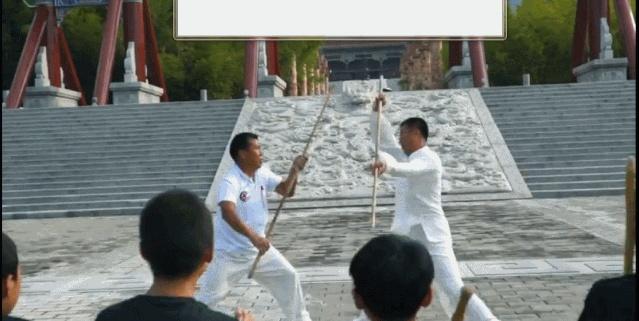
(241, 19)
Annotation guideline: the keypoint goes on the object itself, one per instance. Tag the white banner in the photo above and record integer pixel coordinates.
(378, 19)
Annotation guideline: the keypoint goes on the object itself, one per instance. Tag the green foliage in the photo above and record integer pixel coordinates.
(539, 43)
(188, 66)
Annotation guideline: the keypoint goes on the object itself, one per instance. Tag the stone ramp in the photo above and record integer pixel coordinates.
(568, 139)
(109, 160)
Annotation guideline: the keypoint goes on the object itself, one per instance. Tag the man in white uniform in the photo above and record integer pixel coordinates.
(239, 231)
(418, 211)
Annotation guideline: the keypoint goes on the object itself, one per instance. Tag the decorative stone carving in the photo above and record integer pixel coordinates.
(129, 64)
(42, 69)
(605, 40)
(606, 67)
(133, 91)
(343, 144)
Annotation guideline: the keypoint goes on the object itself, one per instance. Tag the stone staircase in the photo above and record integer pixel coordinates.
(109, 160)
(568, 139)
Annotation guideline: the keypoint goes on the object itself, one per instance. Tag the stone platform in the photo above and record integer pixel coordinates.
(528, 259)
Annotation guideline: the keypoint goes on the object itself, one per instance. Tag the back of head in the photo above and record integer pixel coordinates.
(417, 123)
(239, 142)
(392, 274)
(10, 275)
(176, 231)
(9, 257)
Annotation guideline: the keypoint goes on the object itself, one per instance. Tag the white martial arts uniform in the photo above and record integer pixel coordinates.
(234, 253)
(419, 215)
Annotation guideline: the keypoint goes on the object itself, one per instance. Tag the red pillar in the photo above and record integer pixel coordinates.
(250, 67)
(629, 35)
(133, 19)
(70, 73)
(107, 52)
(455, 55)
(272, 63)
(155, 73)
(579, 35)
(478, 63)
(593, 30)
(27, 57)
(53, 49)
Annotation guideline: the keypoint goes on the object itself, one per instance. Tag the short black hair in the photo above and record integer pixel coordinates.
(176, 230)
(417, 123)
(392, 274)
(9, 257)
(239, 142)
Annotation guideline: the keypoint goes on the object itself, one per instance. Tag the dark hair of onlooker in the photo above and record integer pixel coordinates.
(239, 142)
(9, 257)
(392, 274)
(176, 230)
(417, 123)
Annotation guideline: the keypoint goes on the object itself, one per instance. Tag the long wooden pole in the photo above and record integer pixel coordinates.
(466, 293)
(279, 207)
(631, 216)
(377, 138)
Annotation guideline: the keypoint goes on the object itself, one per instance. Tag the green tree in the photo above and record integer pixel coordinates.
(188, 66)
(539, 42)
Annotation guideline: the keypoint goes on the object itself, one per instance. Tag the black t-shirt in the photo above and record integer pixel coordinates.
(154, 308)
(611, 300)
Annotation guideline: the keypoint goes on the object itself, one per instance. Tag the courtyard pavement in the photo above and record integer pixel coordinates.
(532, 259)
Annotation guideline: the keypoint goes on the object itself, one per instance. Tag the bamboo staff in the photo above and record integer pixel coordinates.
(631, 216)
(466, 293)
(279, 207)
(377, 138)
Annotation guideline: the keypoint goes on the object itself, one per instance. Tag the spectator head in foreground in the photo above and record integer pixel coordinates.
(176, 239)
(11, 276)
(392, 278)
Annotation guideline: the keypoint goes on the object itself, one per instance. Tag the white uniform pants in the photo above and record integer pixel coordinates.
(448, 281)
(273, 272)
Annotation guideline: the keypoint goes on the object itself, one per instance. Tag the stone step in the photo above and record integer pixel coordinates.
(109, 182)
(112, 152)
(558, 136)
(106, 129)
(157, 142)
(88, 197)
(563, 87)
(159, 187)
(578, 162)
(125, 137)
(583, 192)
(611, 147)
(557, 120)
(567, 143)
(32, 113)
(64, 177)
(541, 115)
(70, 170)
(568, 157)
(68, 166)
(523, 128)
(580, 177)
(101, 158)
(146, 120)
(603, 183)
(571, 170)
(558, 103)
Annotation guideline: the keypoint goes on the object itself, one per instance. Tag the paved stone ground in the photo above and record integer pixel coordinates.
(528, 259)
